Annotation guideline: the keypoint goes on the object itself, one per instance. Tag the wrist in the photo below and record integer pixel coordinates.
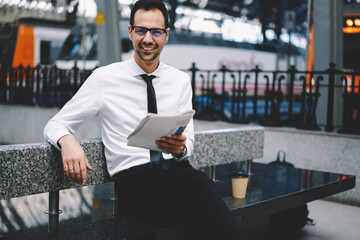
(64, 140)
(182, 154)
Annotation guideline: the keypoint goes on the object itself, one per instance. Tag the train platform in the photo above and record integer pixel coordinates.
(333, 221)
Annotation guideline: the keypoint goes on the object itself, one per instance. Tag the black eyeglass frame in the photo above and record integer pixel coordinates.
(150, 30)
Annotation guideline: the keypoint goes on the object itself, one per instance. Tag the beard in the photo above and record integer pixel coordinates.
(147, 56)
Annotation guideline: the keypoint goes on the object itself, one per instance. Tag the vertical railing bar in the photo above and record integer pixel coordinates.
(330, 106)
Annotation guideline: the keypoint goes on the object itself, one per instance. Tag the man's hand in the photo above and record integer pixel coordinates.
(174, 145)
(74, 159)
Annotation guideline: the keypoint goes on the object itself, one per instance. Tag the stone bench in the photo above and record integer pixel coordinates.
(28, 169)
(36, 168)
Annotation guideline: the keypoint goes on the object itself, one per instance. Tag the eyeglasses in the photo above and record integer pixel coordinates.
(155, 32)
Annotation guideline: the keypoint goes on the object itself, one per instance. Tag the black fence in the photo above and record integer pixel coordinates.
(43, 85)
(277, 98)
(270, 98)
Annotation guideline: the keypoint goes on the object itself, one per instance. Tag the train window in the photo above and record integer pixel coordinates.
(77, 46)
(69, 44)
(45, 52)
(6, 55)
(7, 45)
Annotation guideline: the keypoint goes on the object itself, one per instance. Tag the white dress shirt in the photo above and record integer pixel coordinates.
(118, 95)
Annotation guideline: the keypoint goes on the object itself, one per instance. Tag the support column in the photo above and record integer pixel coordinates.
(109, 47)
(53, 212)
(328, 48)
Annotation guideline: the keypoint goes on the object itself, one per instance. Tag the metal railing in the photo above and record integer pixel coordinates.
(269, 98)
(43, 85)
(277, 98)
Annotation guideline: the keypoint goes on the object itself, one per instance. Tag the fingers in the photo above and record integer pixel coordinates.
(76, 170)
(179, 137)
(71, 172)
(173, 145)
(66, 170)
(77, 173)
(75, 162)
(88, 166)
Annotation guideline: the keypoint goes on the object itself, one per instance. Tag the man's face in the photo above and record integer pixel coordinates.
(148, 47)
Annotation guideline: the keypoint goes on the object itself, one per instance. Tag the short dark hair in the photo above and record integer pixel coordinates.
(149, 5)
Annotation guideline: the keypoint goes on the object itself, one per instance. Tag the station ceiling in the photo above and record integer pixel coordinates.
(268, 12)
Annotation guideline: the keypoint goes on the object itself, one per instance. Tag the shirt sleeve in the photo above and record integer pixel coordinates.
(185, 105)
(84, 105)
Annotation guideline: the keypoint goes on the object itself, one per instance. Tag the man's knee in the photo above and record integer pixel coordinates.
(196, 184)
(199, 177)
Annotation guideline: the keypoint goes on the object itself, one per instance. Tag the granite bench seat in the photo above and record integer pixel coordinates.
(37, 168)
(271, 189)
(28, 169)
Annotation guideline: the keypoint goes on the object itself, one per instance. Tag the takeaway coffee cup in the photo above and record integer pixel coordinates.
(239, 182)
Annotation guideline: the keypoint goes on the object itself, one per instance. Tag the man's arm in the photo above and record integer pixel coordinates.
(60, 129)
(74, 160)
(177, 143)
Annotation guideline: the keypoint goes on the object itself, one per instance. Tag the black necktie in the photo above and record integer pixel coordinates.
(152, 108)
(151, 96)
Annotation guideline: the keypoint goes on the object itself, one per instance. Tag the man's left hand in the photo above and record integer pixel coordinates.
(174, 145)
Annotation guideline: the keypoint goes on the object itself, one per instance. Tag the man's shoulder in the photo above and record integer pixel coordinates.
(173, 70)
(113, 66)
(111, 73)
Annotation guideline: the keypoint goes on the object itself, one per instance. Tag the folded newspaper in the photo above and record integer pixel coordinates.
(154, 126)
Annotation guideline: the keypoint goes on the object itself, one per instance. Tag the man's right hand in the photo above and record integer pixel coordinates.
(74, 160)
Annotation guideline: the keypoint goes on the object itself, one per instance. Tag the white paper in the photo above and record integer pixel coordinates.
(155, 126)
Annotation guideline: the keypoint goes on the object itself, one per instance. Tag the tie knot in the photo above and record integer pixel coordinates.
(147, 78)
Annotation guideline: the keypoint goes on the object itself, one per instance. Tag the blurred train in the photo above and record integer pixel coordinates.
(30, 45)
(184, 48)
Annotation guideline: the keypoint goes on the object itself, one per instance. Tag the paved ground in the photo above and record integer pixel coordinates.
(334, 221)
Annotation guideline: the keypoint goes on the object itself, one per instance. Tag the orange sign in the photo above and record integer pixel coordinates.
(351, 30)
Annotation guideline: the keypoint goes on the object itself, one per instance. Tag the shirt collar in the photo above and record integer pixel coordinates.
(137, 70)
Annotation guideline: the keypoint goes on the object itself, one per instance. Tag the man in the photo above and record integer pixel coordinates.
(169, 191)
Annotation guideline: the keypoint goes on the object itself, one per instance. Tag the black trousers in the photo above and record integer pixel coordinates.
(177, 195)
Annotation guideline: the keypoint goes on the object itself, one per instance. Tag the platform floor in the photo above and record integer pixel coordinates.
(334, 221)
